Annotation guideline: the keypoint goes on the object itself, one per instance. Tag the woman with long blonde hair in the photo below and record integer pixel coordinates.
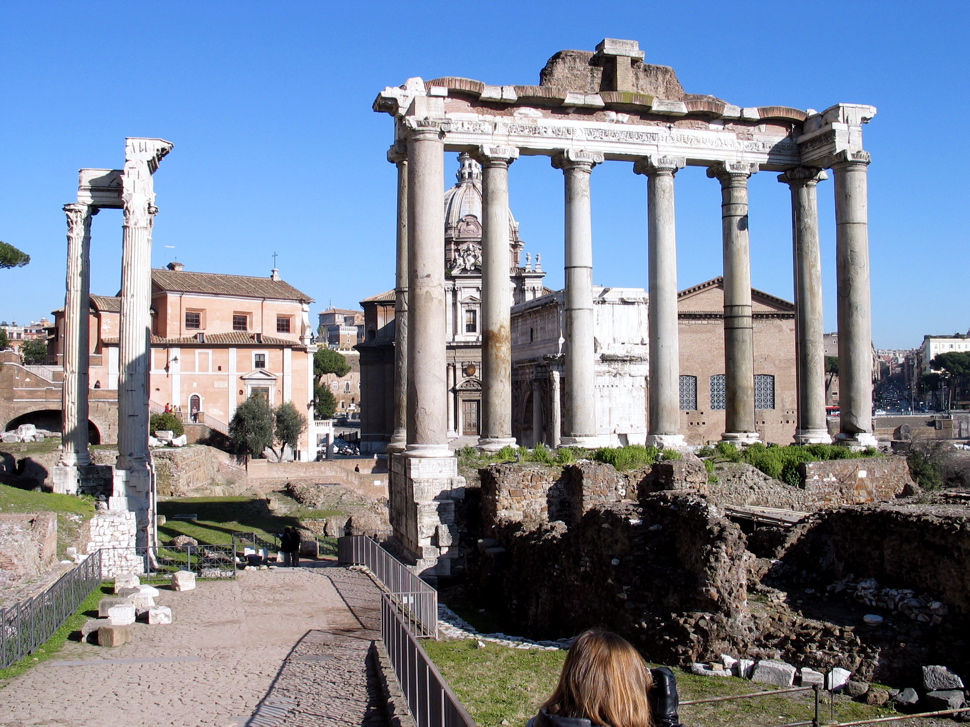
(606, 683)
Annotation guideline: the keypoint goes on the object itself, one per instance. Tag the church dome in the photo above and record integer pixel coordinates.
(463, 212)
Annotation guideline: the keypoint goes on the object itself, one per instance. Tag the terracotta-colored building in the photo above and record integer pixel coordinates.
(216, 340)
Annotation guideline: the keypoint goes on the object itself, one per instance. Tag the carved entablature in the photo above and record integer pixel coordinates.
(100, 188)
(468, 259)
(138, 191)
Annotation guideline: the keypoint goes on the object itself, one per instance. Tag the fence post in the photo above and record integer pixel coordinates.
(815, 722)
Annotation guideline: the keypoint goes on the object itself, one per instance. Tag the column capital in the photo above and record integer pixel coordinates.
(490, 156)
(846, 158)
(576, 159)
(427, 129)
(397, 153)
(799, 176)
(658, 164)
(725, 171)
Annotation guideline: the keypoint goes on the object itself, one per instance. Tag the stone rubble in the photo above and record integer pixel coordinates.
(905, 601)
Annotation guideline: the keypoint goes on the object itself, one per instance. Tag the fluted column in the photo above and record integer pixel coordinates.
(664, 425)
(809, 324)
(738, 330)
(579, 420)
(75, 344)
(854, 305)
(397, 155)
(427, 395)
(496, 299)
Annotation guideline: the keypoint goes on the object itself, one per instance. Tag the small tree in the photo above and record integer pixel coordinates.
(325, 403)
(328, 361)
(4, 339)
(251, 428)
(290, 423)
(11, 257)
(831, 371)
(34, 351)
(166, 422)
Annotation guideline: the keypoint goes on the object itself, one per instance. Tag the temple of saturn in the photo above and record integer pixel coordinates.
(128, 521)
(592, 107)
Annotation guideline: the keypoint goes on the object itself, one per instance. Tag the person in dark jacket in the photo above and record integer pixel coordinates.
(286, 547)
(295, 542)
(605, 683)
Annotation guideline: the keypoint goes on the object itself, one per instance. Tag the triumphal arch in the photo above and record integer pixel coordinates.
(589, 108)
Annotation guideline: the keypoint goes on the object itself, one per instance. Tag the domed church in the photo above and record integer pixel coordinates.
(463, 292)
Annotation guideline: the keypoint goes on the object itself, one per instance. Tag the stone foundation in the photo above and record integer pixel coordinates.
(28, 543)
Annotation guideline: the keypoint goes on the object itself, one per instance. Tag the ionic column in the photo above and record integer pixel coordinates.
(496, 300)
(854, 306)
(75, 345)
(738, 331)
(664, 425)
(427, 395)
(579, 420)
(809, 325)
(397, 155)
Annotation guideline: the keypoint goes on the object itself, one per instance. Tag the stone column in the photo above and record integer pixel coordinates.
(496, 429)
(854, 305)
(397, 155)
(427, 395)
(134, 482)
(664, 425)
(555, 410)
(738, 331)
(809, 325)
(537, 434)
(75, 346)
(580, 415)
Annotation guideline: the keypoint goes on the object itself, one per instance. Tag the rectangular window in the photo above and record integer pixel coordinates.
(718, 392)
(259, 360)
(240, 322)
(688, 393)
(193, 319)
(282, 324)
(764, 391)
(471, 320)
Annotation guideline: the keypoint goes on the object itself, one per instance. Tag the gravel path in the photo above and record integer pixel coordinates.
(273, 648)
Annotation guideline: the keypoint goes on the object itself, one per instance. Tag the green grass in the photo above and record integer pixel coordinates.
(87, 609)
(500, 685)
(72, 511)
(218, 518)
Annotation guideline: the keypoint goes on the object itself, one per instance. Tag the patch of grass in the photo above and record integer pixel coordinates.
(499, 685)
(72, 510)
(25, 449)
(781, 463)
(57, 641)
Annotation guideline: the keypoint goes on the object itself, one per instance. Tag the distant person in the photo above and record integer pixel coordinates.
(605, 683)
(168, 408)
(286, 545)
(295, 542)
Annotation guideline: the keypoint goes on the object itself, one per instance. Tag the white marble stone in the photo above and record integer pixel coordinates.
(183, 580)
(837, 678)
(159, 615)
(122, 614)
(777, 673)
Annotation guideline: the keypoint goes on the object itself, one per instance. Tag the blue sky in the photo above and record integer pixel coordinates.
(277, 149)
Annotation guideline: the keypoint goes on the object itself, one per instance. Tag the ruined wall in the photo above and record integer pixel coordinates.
(857, 481)
(28, 544)
(188, 470)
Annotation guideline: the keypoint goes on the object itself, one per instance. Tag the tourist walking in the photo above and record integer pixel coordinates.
(295, 542)
(286, 547)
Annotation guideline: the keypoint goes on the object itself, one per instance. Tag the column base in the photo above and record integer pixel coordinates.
(741, 438)
(812, 436)
(586, 441)
(66, 479)
(857, 441)
(398, 443)
(667, 441)
(494, 444)
(428, 450)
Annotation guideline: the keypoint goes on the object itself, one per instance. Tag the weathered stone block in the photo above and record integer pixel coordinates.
(906, 697)
(142, 602)
(810, 677)
(114, 635)
(126, 580)
(105, 604)
(147, 590)
(777, 673)
(837, 678)
(744, 668)
(121, 614)
(183, 580)
(944, 699)
(856, 689)
(159, 615)
(91, 626)
(940, 678)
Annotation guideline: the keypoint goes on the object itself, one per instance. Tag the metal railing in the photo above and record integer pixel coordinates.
(430, 699)
(416, 600)
(27, 625)
(206, 561)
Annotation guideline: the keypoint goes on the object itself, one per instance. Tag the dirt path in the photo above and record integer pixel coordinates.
(269, 649)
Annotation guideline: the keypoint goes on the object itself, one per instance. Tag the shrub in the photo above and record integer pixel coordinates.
(166, 422)
(565, 455)
(627, 458)
(542, 454)
(508, 453)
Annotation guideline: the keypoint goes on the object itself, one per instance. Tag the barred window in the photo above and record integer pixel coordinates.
(718, 392)
(764, 391)
(240, 322)
(688, 393)
(193, 319)
(282, 324)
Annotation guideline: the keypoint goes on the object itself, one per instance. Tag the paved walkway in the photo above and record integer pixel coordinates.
(273, 648)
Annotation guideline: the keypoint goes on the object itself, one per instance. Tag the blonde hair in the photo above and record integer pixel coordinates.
(605, 680)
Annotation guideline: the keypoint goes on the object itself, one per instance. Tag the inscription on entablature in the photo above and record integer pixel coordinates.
(822, 140)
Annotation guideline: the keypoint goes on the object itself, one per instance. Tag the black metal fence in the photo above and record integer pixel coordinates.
(416, 600)
(27, 625)
(430, 699)
(206, 561)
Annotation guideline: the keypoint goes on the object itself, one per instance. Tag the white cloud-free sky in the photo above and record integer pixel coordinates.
(277, 148)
